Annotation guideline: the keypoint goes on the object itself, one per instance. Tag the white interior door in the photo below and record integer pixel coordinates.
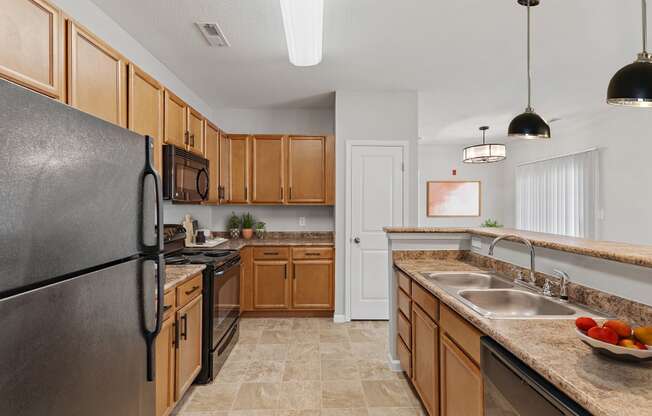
(376, 202)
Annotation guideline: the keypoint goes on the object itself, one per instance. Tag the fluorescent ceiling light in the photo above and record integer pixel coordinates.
(303, 21)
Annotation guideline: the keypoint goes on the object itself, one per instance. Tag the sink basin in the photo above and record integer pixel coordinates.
(510, 303)
(468, 280)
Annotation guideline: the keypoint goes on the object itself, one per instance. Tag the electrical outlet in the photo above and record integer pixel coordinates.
(302, 221)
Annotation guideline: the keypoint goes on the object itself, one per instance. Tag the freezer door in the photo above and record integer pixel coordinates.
(72, 191)
(76, 348)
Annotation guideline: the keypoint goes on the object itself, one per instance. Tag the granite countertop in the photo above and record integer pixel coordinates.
(290, 241)
(639, 255)
(603, 386)
(177, 274)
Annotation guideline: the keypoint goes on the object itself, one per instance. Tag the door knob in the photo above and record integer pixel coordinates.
(356, 240)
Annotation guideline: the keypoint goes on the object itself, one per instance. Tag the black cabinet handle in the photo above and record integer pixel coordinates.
(176, 334)
(191, 290)
(184, 333)
(286, 272)
(281, 192)
(271, 253)
(166, 308)
(312, 254)
(246, 194)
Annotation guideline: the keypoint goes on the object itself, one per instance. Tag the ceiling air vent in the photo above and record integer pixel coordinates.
(213, 34)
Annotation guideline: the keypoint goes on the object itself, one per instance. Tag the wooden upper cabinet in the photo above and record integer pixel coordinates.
(188, 365)
(175, 120)
(312, 284)
(311, 170)
(238, 169)
(461, 382)
(425, 359)
(96, 77)
(271, 284)
(225, 168)
(195, 138)
(32, 45)
(268, 165)
(146, 109)
(211, 152)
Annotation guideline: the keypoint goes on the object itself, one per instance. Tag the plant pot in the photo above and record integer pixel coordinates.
(247, 233)
(235, 233)
(260, 233)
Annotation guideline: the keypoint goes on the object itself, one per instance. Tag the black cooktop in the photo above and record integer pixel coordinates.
(199, 256)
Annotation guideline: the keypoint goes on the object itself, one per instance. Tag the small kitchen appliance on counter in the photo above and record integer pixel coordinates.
(221, 301)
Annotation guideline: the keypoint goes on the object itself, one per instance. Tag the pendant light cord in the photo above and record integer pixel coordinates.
(529, 70)
(644, 7)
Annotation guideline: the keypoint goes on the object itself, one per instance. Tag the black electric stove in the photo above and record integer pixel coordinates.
(221, 301)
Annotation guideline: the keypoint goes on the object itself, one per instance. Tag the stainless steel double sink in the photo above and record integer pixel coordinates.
(495, 297)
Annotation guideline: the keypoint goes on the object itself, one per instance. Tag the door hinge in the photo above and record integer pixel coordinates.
(402, 167)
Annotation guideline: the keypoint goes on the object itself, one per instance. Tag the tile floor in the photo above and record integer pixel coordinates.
(306, 367)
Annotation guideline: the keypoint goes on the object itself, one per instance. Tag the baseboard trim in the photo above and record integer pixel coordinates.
(340, 319)
(394, 365)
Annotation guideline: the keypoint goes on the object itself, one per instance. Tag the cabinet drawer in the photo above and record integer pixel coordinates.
(404, 329)
(461, 332)
(403, 281)
(312, 253)
(426, 300)
(271, 253)
(189, 290)
(169, 304)
(404, 356)
(404, 303)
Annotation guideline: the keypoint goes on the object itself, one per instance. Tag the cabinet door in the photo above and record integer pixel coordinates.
(211, 152)
(312, 284)
(238, 169)
(195, 132)
(425, 359)
(271, 286)
(31, 45)
(175, 119)
(189, 349)
(268, 164)
(225, 167)
(96, 75)
(461, 382)
(165, 359)
(146, 109)
(307, 169)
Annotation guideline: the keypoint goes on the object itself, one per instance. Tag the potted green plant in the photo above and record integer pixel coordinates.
(260, 229)
(233, 224)
(491, 223)
(248, 222)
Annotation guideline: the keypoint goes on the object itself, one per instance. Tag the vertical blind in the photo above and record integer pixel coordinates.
(559, 195)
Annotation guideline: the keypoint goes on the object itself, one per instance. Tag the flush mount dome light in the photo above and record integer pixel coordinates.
(632, 85)
(484, 153)
(529, 125)
(303, 21)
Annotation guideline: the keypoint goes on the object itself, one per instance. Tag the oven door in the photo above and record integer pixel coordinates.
(226, 298)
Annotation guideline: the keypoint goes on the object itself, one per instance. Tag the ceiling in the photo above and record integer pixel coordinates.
(464, 57)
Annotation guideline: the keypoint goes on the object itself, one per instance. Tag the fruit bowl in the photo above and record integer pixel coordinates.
(616, 351)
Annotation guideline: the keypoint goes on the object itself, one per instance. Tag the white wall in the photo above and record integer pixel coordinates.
(624, 136)
(370, 115)
(285, 218)
(98, 22)
(436, 163)
(317, 121)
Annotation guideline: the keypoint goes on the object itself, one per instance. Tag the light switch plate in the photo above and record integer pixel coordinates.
(476, 243)
(302, 221)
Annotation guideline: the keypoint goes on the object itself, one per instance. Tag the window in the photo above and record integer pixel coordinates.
(559, 195)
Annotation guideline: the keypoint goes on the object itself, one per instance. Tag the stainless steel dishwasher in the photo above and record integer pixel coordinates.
(511, 388)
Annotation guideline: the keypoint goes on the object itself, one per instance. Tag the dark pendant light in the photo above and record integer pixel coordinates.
(529, 125)
(632, 85)
(484, 153)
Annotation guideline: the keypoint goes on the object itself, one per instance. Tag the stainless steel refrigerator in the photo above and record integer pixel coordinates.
(81, 274)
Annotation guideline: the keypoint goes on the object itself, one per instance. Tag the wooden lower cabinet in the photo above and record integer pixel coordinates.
(425, 359)
(271, 284)
(165, 371)
(461, 382)
(188, 357)
(312, 285)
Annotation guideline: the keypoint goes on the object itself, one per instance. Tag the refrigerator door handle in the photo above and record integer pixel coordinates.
(150, 334)
(158, 226)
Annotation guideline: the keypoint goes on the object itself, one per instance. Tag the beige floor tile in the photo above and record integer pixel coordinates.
(257, 396)
(253, 323)
(410, 392)
(232, 371)
(275, 336)
(332, 370)
(375, 370)
(274, 352)
(366, 335)
(332, 335)
(252, 412)
(211, 413)
(342, 394)
(264, 371)
(212, 397)
(302, 371)
(242, 352)
(296, 412)
(282, 324)
(304, 336)
(396, 411)
(249, 336)
(303, 352)
(335, 351)
(306, 324)
(300, 395)
(385, 393)
(368, 351)
(358, 411)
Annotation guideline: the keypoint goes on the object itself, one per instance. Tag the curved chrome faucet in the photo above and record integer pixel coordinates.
(528, 244)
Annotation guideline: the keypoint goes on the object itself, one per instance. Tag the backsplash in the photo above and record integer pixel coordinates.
(276, 218)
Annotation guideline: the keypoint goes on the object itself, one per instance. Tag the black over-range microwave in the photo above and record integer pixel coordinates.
(185, 175)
